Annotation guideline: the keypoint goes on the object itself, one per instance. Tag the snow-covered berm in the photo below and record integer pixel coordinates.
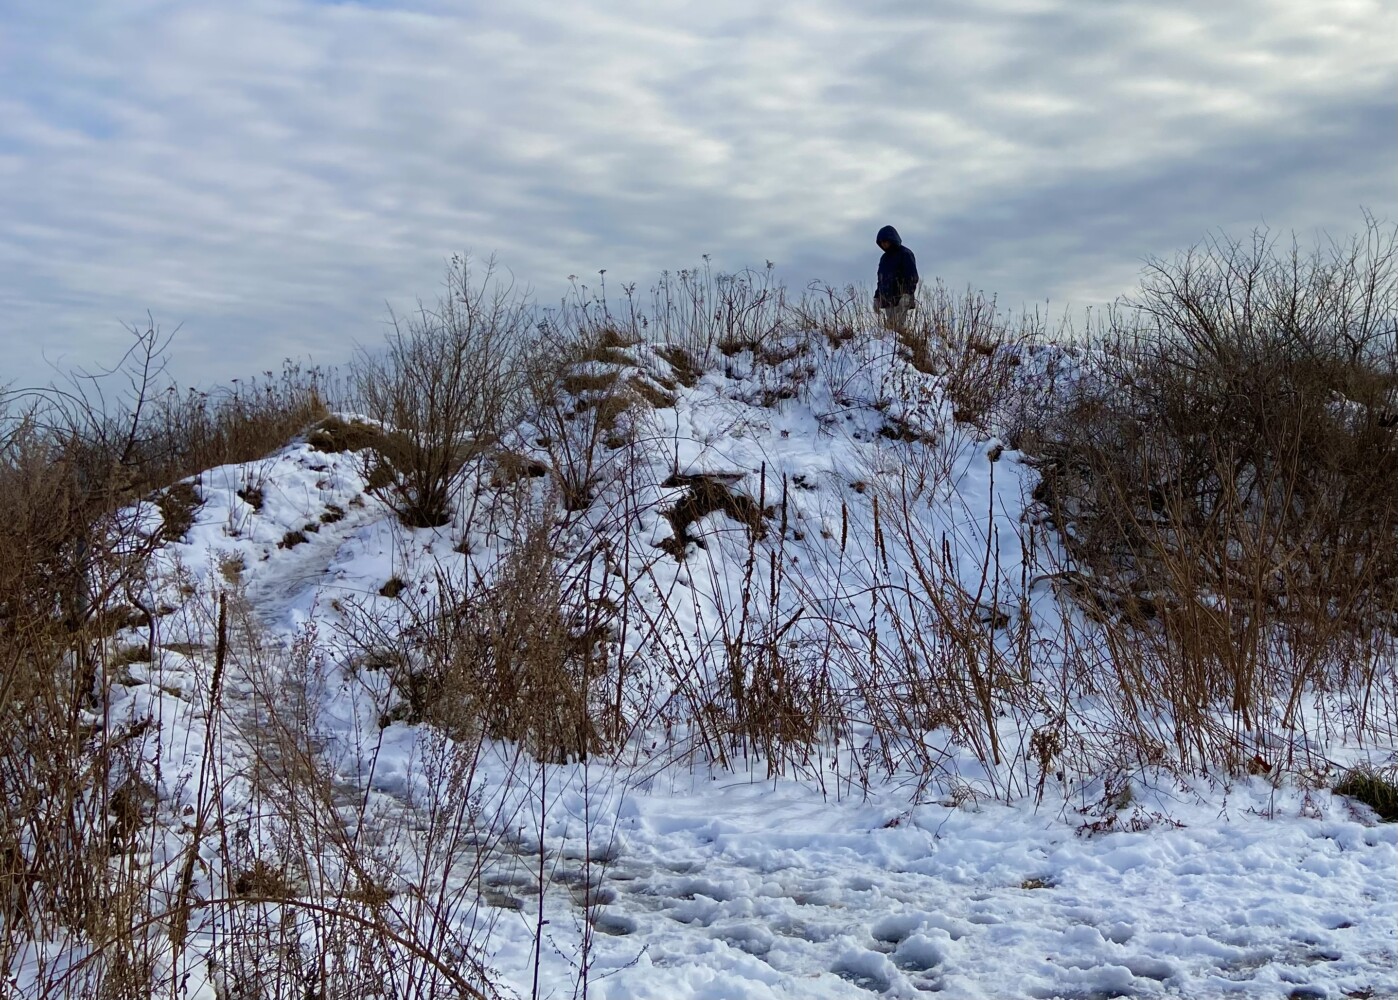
(862, 867)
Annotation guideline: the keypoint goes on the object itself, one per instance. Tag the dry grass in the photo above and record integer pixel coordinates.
(708, 314)
(525, 658)
(588, 402)
(336, 434)
(682, 364)
(178, 505)
(1221, 478)
(1377, 788)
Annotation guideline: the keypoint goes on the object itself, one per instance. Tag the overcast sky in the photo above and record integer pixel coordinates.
(274, 174)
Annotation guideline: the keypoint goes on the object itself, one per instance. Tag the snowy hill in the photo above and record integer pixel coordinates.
(750, 675)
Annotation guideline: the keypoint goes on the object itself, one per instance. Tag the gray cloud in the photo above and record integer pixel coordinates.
(273, 173)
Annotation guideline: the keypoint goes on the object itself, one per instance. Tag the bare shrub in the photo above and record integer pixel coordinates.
(1222, 472)
(444, 388)
(591, 389)
(76, 807)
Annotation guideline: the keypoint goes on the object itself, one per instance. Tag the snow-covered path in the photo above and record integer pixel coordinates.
(753, 890)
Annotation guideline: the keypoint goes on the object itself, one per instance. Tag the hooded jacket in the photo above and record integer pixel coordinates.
(897, 270)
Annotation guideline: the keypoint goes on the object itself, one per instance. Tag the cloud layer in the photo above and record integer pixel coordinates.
(271, 174)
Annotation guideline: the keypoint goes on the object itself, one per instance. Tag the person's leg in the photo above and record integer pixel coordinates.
(895, 316)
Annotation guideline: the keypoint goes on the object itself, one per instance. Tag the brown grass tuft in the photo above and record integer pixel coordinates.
(336, 434)
(178, 505)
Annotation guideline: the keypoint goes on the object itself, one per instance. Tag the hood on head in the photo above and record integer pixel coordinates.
(890, 234)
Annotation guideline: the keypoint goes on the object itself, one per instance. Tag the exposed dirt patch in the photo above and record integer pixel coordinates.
(709, 494)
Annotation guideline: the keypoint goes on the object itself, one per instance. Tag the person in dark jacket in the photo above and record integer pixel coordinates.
(897, 278)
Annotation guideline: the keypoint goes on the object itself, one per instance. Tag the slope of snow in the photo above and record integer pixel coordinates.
(839, 879)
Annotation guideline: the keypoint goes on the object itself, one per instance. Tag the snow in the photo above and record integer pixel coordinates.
(839, 878)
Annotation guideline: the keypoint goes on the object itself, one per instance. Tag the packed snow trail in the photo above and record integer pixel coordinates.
(754, 890)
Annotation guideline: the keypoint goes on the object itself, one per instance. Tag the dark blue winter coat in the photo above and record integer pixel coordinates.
(897, 270)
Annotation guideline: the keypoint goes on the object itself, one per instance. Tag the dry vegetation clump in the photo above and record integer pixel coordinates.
(150, 434)
(178, 505)
(448, 382)
(1224, 475)
(588, 399)
(780, 704)
(529, 660)
(1377, 788)
(762, 686)
(74, 461)
(68, 781)
(336, 434)
(509, 467)
(292, 539)
(683, 366)
(525, 657)
(221, 427)
(707, 314)
(986, 359)
(651, 392)
(83, 466)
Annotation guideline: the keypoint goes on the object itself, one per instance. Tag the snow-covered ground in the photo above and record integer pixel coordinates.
(672, 877)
